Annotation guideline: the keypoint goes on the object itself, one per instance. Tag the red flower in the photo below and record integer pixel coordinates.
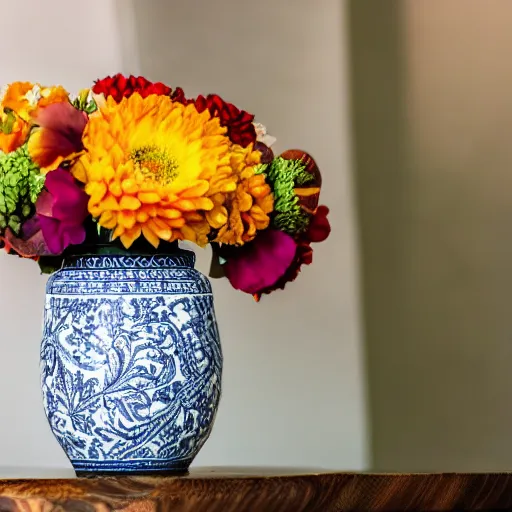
(119, 87)
(179, 95)
(238, 122)
(319, 227)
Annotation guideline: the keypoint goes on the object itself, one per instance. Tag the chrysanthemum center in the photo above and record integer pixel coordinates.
(157, 162)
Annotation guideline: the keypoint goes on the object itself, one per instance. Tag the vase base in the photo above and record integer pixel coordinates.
(103, 474)
(91, 469)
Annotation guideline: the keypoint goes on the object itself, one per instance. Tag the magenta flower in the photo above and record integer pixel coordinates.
(62, 210)
(259, 264)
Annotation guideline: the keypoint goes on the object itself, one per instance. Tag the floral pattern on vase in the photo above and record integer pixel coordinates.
(131, 362)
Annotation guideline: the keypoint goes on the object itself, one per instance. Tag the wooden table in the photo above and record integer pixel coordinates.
(258, 490)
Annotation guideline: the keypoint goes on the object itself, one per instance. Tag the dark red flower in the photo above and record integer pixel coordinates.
(179, 95)
(238, 122)
(319, 227)
(119, 87)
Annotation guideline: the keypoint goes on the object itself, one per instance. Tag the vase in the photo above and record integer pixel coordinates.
(130, 362)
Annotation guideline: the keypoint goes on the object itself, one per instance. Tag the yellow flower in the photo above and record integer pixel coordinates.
(151, 167)
(246, 210)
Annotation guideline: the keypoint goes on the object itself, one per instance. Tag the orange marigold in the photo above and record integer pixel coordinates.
(246, 210)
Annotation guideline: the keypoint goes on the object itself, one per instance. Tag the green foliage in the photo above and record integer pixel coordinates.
(20, 185)
(283, 176)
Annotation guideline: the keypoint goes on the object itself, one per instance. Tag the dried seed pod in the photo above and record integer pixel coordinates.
(267, 155)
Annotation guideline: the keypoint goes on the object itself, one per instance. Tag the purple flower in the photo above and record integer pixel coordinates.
(62, 210)
(260, 263)
(29, 243)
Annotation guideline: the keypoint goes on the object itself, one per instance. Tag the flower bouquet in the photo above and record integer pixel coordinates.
(133, 162)
(99, 189)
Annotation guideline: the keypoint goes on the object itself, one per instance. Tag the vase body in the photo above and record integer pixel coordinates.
(130, 362)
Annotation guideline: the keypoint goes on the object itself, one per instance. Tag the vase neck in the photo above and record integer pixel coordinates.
(180, 258)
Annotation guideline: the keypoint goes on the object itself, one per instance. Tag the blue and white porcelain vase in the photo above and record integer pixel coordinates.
(131, 362)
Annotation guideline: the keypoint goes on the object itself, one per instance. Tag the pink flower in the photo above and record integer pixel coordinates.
(62, 210)
(259, 264)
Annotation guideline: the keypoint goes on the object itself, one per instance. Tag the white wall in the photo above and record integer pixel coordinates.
(293, 380)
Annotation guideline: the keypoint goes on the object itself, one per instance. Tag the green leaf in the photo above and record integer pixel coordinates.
(15, 224)
(91, 108)
(7, 125)
(50, 264)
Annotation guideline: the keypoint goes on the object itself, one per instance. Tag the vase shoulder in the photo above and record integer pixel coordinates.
(179, 259)
(162, 274)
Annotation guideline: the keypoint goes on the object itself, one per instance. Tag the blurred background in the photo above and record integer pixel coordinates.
(391, 352)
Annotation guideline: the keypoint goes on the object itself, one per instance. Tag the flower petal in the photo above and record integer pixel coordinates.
(59, 136)
(259, 264)
(62, 210)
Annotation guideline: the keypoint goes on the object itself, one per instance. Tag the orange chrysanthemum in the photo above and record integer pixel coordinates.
(18, 105)
(152, 167)
(25, 97)
(246, 210)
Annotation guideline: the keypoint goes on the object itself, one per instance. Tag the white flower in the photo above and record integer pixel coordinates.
(262, 136)
(33, 96)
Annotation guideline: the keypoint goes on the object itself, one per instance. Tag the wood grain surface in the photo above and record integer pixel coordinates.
(259, 490)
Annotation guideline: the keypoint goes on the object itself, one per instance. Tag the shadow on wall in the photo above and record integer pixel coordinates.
(383, 198)
(432, 113)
